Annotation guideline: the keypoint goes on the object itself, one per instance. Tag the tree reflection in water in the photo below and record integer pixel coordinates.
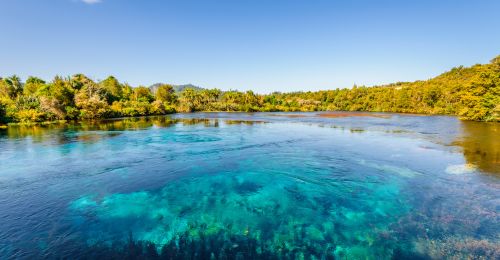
(480, 143)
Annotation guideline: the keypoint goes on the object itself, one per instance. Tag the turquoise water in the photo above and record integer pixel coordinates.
(264, 185)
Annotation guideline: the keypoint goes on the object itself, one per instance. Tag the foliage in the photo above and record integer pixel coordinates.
(32, 85)
(142, 94)
(113, 89)
(165, 93)
(3, 112)
(472, 93)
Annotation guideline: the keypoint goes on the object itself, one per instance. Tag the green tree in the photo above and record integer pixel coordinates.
(189, 100)
(473, 93)
(113, 88)
(127, 92)
(32, 85)
(91, 100)
(4, 89)
(77, 81)
(56, 97)
(165, 93)
(3, 113)
(143, 94)
(14, 86)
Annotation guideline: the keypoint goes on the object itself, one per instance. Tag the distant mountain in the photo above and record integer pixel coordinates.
(177, 88)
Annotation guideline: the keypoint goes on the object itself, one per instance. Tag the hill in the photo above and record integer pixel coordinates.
(472, 93)
(177, 88)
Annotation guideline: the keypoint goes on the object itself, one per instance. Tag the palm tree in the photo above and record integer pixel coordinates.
(15, 85)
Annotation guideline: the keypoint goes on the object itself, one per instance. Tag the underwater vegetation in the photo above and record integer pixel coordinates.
(227, 216)
(218, 246)
(459, 248)
(241, 216)
(223, 187)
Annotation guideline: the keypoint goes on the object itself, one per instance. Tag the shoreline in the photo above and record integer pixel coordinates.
(323, 114)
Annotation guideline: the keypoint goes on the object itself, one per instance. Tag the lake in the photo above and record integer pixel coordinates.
(252, 185)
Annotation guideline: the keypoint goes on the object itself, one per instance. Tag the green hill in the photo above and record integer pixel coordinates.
(472, 93)
(177, 88)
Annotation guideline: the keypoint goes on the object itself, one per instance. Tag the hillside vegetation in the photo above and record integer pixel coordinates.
(177, 88)
(472, 93)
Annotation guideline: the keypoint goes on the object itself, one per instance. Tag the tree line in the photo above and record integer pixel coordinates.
(472, 93)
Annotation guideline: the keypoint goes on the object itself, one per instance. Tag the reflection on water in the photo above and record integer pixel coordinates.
(479, 141)
(481, 145)
(58, 132)
(251, 185)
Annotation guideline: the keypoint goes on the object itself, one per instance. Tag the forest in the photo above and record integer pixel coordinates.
(471, 93)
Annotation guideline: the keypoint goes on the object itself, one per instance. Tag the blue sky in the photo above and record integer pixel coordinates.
(261, 45)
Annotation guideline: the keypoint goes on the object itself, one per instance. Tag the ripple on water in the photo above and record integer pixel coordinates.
(300, 186)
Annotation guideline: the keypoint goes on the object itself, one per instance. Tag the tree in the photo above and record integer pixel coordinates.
(251, 99)
(143, 94)
(3, 113)
(127, 92)
(14, 85)
(91, 100)
(77, 81)
(32, 85)
(188, 99)
(56, 97)
(496, 62)
(4, 89)
(165, 93)
(113, 88)
(473, 93)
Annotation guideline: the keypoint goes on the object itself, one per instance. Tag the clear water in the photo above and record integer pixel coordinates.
(264, 185)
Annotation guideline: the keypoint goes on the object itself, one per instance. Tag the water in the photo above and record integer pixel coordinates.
(264, 185)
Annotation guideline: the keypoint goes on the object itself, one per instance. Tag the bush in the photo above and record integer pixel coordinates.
(93, 108)
(29, 116)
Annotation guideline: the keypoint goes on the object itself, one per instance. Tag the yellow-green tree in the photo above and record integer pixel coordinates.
(165, 93)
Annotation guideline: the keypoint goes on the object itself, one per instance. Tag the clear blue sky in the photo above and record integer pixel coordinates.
(262, 45)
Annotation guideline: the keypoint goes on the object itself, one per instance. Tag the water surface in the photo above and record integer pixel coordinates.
(243, 185)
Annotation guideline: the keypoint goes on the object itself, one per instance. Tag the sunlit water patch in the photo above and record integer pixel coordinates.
(227, 186)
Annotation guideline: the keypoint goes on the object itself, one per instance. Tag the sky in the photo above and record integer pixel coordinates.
(261, 45)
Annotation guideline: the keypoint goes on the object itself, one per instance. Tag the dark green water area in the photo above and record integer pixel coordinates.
(252, 186)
